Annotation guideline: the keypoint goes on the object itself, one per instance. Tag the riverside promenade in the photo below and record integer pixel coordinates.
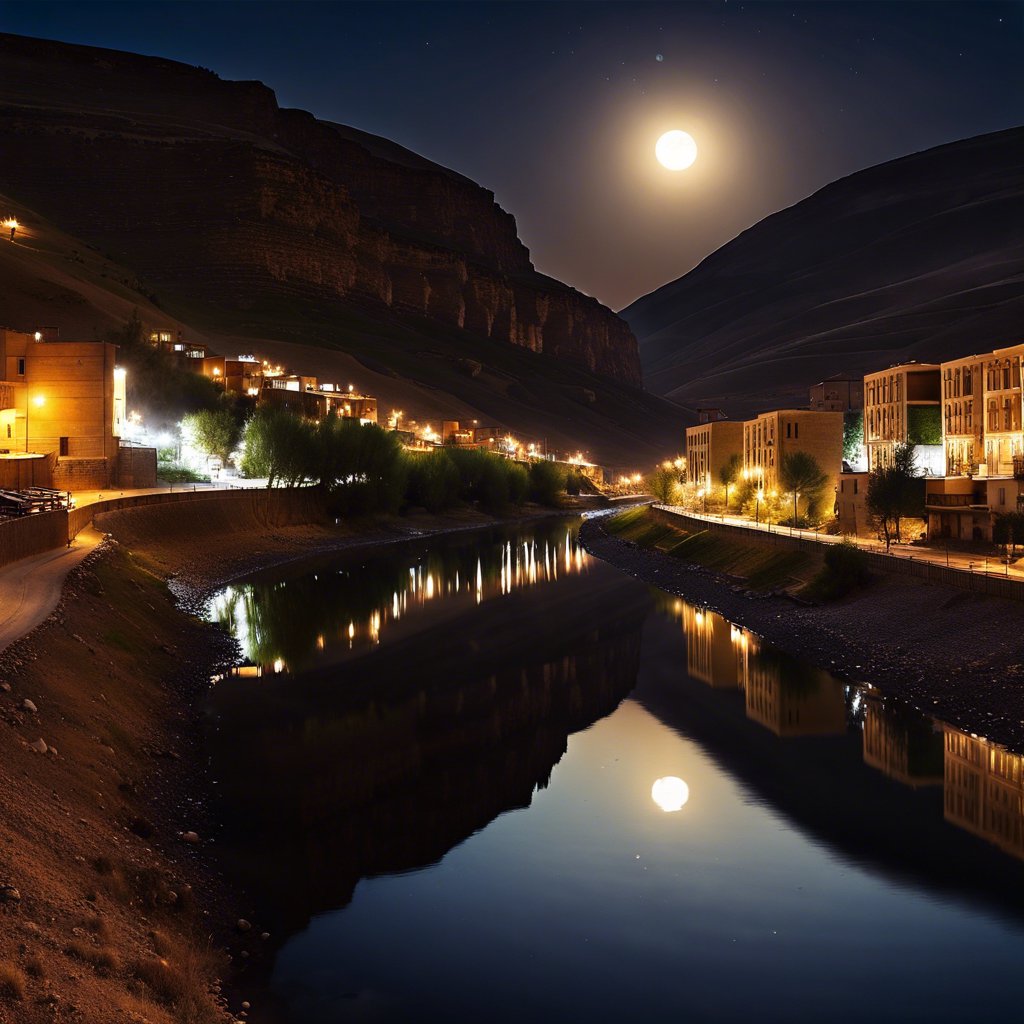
(964, 569)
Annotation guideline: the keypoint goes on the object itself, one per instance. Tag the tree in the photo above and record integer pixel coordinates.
(895, 492)
(800, 474)
(664, 485)
(215, 432)
(730, 473)
(853, 436)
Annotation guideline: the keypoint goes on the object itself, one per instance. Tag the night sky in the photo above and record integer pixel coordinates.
(556, 107)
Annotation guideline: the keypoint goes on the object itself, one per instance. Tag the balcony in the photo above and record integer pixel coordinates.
(949, 500)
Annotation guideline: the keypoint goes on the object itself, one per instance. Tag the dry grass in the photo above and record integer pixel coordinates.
(12, 982)
(180, 979)
(35, 966)
(103, 958)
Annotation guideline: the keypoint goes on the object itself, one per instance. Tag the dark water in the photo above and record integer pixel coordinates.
(440, 775)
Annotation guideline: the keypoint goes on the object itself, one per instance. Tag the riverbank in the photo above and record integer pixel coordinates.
(116, 912)
(949, 653)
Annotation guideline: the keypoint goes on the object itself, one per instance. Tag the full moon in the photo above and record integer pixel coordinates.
(670, 793)
(676, 150)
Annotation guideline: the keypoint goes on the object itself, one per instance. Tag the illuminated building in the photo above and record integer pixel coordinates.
(306, 396)
(709, 447)
(984, 790)
(62, 411)
(905, 747)
(770, 436)
(902, 405)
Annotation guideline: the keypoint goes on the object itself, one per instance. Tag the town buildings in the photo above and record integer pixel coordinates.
(62, 414)
(902, 405)
(710, 445)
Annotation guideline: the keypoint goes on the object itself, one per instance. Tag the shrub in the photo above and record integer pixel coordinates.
(547, 482)
(434, 481)
(12, 982)
(845, 570)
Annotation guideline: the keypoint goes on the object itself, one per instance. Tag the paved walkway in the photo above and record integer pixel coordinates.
(30, 588)
(962, 560)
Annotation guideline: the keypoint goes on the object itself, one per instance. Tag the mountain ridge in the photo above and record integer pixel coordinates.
(914, 258)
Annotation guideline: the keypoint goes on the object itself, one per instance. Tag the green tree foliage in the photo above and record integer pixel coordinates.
(156, 385)
(924, 424)
(802, 477)
(845, 570)
(895, 492)
(730, 473)
(434, 481)
(547, 482)
(279, 446)
(215, 432)
(664, 485)
(1009, 529)
(853, 435)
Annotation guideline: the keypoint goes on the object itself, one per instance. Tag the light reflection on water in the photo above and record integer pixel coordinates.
(254, 612)
(462, 791)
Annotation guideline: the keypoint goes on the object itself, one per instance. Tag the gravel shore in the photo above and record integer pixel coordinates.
(947, 652)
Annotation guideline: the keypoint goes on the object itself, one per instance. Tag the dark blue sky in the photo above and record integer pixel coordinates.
(556, 106)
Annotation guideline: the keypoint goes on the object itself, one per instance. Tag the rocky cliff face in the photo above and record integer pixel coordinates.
(222, 199)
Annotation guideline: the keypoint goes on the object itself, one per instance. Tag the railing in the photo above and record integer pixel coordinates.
(949, 500)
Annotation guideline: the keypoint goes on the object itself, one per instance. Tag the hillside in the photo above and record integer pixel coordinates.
(919, 258)
(250, 224)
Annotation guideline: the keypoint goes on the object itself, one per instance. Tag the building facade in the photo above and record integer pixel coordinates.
(62, 407)
(903, 405)
(769, 437)
(709, 447)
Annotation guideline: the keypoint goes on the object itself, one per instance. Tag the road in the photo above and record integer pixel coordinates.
(30, 588)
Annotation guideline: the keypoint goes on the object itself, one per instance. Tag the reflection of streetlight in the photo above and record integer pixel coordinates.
(670, 793)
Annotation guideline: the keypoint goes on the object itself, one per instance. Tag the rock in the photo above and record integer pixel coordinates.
(190, 837)
(245, 1005)
(264, 936)
(39, 746)
(53, 750)
(29, 706)
(243, 925)
(6, 687)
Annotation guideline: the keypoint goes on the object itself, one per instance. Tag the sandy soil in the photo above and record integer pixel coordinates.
(948, 652)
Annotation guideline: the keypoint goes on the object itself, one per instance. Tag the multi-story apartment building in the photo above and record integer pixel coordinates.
(769, 437)
(838, 393)
(903, 404)
(62, 409)
(983, 440)
(709, 446)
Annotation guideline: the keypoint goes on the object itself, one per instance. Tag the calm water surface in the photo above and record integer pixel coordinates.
(438, 768)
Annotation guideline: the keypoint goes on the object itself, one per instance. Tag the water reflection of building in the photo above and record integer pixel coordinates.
(984, 790)
(785, 696)
(902, 745)
(716, 651)
(794, 700)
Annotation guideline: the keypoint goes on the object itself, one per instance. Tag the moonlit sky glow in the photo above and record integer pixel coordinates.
(556, 106)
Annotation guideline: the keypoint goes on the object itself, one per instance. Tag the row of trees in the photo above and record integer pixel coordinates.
(364, 469)
(803, 483)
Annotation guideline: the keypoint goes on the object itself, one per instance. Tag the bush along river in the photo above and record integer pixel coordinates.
(490, 777)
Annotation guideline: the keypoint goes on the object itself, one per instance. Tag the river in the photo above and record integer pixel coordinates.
(487, 777)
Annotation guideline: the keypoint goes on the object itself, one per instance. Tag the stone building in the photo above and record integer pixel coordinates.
(902, 404)
(62, 408)
(709, 447)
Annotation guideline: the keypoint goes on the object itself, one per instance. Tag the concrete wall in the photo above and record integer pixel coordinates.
(32, 535)
(852, 504)
(17, 474)
(136, 467)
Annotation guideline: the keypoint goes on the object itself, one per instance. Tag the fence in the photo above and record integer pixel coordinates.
(978, 582)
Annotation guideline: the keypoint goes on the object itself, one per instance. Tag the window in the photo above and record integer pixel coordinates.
(855, 482)
(1002, 495)
(788, 428)
(9, 434)
(64, 446)
(796, 429)
(21, 366)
